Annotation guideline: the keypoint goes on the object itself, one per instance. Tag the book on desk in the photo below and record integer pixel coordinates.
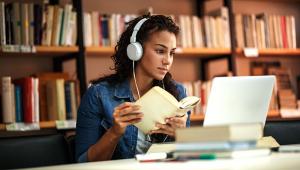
(213, 142)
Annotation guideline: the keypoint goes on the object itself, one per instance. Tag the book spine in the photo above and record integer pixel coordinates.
(61, 104)
(18, 102)
(7, 100)
(73, 100)
(25, 24)
(16, 23)
(8, 24)
(68, 100)
(38, 17)
(36, 107)
(2, 24)
(31, 23)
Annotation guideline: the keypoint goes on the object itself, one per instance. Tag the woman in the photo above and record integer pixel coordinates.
(107, 113)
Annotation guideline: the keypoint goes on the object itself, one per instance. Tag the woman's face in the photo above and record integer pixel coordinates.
(158, 55)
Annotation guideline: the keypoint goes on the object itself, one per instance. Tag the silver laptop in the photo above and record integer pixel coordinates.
(243, 99)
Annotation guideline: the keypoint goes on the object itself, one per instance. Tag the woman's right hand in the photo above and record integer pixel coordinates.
(125, 114)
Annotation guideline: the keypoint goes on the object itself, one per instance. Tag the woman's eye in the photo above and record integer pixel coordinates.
(159, 51)
(172, 53)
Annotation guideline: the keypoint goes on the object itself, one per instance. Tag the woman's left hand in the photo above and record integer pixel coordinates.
(171, 125)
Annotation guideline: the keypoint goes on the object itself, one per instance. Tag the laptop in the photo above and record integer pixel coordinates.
(242, 99)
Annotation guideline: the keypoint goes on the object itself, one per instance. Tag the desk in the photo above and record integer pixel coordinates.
(273, 162)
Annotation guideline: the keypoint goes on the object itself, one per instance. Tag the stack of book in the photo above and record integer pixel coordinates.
(211, 142)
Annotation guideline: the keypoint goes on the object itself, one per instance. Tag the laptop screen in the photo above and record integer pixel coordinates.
(242, 99)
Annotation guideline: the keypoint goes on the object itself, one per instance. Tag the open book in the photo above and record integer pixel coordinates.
(158, 104)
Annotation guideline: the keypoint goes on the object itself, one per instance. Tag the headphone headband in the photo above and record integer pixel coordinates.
(136, 29)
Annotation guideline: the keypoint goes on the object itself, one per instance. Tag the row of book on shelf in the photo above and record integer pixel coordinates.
(211, 31)
(283, 103)
(29, 24)
(265, 31)
(284, 97)
(42, 97)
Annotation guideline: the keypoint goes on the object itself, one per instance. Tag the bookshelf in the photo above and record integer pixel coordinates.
(81, 54)
(35, 56)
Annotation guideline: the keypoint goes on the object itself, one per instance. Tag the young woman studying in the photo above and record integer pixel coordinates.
(107, 113)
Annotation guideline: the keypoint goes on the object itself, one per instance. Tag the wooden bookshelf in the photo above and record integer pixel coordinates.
(189, 52)
(49, 51)
(273, 52)
(202, 52)
(99, 50)
(56, 49)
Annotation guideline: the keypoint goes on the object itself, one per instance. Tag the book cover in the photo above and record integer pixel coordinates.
(233, 133)
(158, 104)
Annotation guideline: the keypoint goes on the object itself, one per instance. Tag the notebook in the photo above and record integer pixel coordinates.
(242, 99)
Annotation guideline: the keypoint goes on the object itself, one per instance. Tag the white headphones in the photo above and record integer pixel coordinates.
(135, 49)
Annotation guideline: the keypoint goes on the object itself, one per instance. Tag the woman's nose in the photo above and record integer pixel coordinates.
(167, 59)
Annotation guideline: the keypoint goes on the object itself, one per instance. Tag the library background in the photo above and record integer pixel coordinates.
(51, 49)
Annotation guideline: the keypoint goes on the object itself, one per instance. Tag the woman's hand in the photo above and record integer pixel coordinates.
(171, 125)
(125, 114)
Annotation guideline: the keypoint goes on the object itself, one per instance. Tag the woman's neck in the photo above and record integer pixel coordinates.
(143, 84)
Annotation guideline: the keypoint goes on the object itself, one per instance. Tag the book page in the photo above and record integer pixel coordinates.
(158, 104)
(156, 107)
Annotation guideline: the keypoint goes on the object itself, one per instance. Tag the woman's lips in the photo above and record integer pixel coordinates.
(162, 69)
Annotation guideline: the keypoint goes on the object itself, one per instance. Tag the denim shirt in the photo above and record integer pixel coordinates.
(95, 117)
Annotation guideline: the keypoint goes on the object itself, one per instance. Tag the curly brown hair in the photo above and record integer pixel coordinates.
(123, 65)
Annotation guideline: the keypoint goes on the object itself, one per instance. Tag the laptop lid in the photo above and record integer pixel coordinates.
(242, 99)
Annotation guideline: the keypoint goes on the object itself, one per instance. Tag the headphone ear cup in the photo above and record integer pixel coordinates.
(134, 51)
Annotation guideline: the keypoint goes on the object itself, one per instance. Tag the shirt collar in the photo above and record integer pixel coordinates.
(123, 90)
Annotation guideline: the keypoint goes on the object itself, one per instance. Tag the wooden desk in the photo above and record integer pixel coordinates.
(273, 162)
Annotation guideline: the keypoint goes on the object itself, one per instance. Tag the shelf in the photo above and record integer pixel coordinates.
(202, 52)
(99, 50)
(43, 125)
(272, 52)
(56, 49)
(50, 51)
(188, 52)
